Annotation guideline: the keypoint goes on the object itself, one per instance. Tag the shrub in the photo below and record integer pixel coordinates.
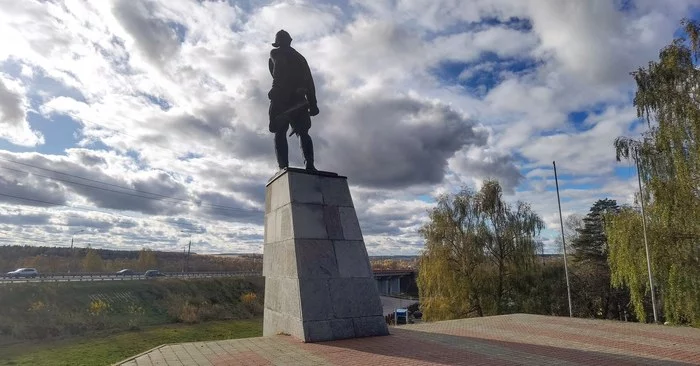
(98, 307)
(189, 313)
(249, 298)
(37, 306)
(251, 303)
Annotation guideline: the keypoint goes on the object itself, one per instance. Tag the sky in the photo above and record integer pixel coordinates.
(129, 124)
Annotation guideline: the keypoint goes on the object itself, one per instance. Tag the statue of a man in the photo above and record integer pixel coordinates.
(292, 99)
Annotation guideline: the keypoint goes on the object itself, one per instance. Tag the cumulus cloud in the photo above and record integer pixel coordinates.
(394, 142)
(13, 114)
(620, 41)
(153, 37)
(25, 219)
(417, 97)
(481, 164)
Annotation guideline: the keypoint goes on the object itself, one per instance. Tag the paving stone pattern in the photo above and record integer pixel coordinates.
(501, 340)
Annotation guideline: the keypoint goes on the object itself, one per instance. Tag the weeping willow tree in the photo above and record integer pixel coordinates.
(476, 245)
(668, 159)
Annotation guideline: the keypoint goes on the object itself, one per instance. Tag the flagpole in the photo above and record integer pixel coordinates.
(563, 241)
(646, 245)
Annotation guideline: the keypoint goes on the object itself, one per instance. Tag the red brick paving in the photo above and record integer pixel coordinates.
(621, 344)
(538, 329)
(400, 346)
(627, 331)
(518, 339)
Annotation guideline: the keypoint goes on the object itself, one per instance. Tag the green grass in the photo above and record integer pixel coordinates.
(45, 311)
(109, 349)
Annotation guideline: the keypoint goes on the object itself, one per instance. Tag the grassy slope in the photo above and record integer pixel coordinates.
(113, 348)
(52, 310)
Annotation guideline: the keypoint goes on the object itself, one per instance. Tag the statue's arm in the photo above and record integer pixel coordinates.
(310, 87)
(277, 69)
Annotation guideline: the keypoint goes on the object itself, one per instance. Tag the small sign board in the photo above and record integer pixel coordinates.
(401, 316)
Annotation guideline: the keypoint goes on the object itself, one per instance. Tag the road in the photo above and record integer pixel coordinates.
(113, 277)
(391, 303)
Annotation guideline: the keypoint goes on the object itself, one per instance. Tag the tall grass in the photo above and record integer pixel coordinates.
(49, 310)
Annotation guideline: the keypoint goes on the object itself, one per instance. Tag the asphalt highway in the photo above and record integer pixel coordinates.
(113, 277)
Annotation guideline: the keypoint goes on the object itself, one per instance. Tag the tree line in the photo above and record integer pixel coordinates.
(76, 260)
(480, 251)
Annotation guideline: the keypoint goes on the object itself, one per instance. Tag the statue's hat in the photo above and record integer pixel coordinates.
(282, 37)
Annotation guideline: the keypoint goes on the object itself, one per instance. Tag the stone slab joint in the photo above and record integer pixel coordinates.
(318, 280)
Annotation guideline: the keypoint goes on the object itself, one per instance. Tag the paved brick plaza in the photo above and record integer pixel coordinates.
(502, 340)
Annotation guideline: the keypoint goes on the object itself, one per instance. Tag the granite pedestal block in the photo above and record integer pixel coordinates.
(318, 280)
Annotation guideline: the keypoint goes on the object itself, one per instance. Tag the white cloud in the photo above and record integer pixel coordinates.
(584, 152)
(597, 42)
(13, 114)
(175, 91)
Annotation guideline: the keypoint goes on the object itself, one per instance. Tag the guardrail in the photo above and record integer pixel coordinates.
(393, 272)
(77, 277)
(101, 276)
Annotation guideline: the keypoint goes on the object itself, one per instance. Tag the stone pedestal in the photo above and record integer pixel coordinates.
(318, 280)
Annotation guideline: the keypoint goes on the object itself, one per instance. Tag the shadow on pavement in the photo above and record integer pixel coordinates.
(437, 348)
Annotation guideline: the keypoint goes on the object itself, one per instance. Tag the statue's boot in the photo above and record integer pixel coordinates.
(307, 148)
(281, 150)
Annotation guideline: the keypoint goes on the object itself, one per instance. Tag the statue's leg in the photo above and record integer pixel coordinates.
(301, 124)
(281, 149)
(307, 148)
(279, 126)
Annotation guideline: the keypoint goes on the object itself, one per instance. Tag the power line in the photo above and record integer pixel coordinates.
(80, 184)
(159, 196)
(74, 214)
(126, 193)
(38, 201)
(85, 209)
(68, 213)
(152, 144)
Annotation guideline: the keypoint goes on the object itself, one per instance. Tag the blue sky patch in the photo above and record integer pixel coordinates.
(179, 29)
(160, 102)
(515, 23)
(482, 75)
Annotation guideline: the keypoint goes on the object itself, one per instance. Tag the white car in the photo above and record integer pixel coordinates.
(23, 272)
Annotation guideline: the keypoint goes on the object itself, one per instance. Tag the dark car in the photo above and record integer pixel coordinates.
(23, 272)
(125, 272)
(153, 273)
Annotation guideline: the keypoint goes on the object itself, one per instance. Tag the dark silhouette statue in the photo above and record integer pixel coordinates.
(292, 99)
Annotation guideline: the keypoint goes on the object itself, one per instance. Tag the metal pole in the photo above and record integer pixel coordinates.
(70, 262)
(563, 241)
(187, 266)
(646, 245)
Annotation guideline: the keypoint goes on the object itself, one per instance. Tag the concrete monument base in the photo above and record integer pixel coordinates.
(318, 280)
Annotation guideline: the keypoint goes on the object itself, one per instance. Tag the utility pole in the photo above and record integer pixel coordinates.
(187, 265)
(184, 257)
(189, 246)
(563, 241)
(71, 249)
(73, 235)
(644, 229)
